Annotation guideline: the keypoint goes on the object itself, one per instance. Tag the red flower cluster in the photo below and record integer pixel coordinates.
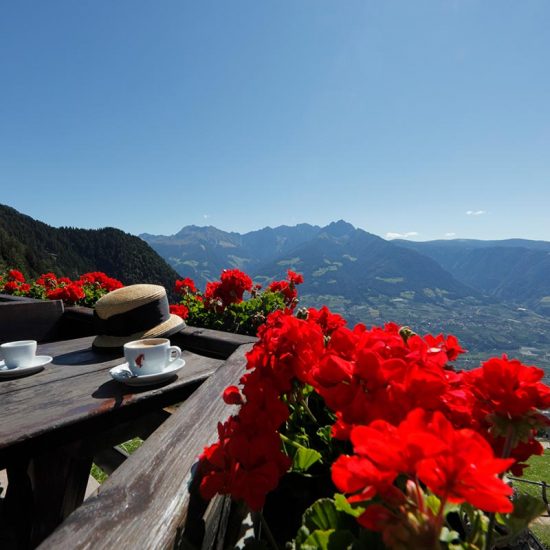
(99, 279)
(365, 375)
(15, 275)
(288, 288)
(14, 283)
(407, 412)
(507, 397)
(274, 363)
(47, 280)
(507, 388)
(95, 283)
(327, 320)
(69, 293)
(184, 286)
(457, 465)
(180, 310)
(229, 290)
(87, 289)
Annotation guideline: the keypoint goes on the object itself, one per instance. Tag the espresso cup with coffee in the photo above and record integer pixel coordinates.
(150, 355)
(18, 354)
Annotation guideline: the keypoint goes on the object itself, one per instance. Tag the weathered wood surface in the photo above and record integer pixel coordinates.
(210, 342)
(20, 299)
(15, 316)
(75, 396)
(146, 503)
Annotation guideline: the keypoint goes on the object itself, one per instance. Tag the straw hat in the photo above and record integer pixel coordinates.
(131, 313)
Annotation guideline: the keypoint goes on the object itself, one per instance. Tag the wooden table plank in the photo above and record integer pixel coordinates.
(65, 395)
(145, 504)
(41, 408)
(70, 358)
(210, 342)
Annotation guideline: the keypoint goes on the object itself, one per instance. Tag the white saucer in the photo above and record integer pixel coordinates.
(122, 373)
(38, 363)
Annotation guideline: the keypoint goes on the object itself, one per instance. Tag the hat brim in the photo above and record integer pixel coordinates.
(174, 324)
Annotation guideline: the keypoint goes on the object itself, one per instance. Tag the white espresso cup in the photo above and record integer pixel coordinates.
(18, 354)
(150, 355)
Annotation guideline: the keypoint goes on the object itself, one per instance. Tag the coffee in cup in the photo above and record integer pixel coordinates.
(150, 355)
(18, 354)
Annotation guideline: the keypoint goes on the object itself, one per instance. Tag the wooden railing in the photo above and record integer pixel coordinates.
(17, 312)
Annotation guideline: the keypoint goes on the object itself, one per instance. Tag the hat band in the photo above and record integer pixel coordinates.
(140, 319)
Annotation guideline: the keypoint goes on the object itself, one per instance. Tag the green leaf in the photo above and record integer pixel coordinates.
(325, 434)
(342, 505)
(322, 514)
(526, 509)
(323, 526)
(304, 458)
(433, 503)
(329, 539)
(449, 536)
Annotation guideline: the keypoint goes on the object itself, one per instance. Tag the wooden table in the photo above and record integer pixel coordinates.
(55, 421)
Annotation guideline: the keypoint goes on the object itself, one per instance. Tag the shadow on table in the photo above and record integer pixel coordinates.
(117, 391)
(83, 357)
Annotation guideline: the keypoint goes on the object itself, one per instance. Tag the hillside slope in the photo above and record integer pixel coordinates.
(35, 247)
(513, 270)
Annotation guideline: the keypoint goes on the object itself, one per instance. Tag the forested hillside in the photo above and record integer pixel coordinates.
(35, 248)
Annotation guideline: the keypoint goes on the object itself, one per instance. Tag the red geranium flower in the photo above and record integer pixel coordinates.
(184, 286)
(15, 275)
(232, 396)
(289, 292)
(508, 388)
(229, 290)
(180, 310)
(100, 279)
(70, 293)
(457, 465)
(327, 320)
(10, 287)
(466, 470)
(294, 278)
(47, 280)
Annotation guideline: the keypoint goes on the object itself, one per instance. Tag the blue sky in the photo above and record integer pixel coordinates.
(422, 118)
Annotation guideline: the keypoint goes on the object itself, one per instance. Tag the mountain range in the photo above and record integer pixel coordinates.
(336, 259)
(344, 260)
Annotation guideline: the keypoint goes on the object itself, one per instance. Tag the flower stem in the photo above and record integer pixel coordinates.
(304, 404)
(505, 454)
(289, 441)
(440, 515)
(419, 496)
(267, 531)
